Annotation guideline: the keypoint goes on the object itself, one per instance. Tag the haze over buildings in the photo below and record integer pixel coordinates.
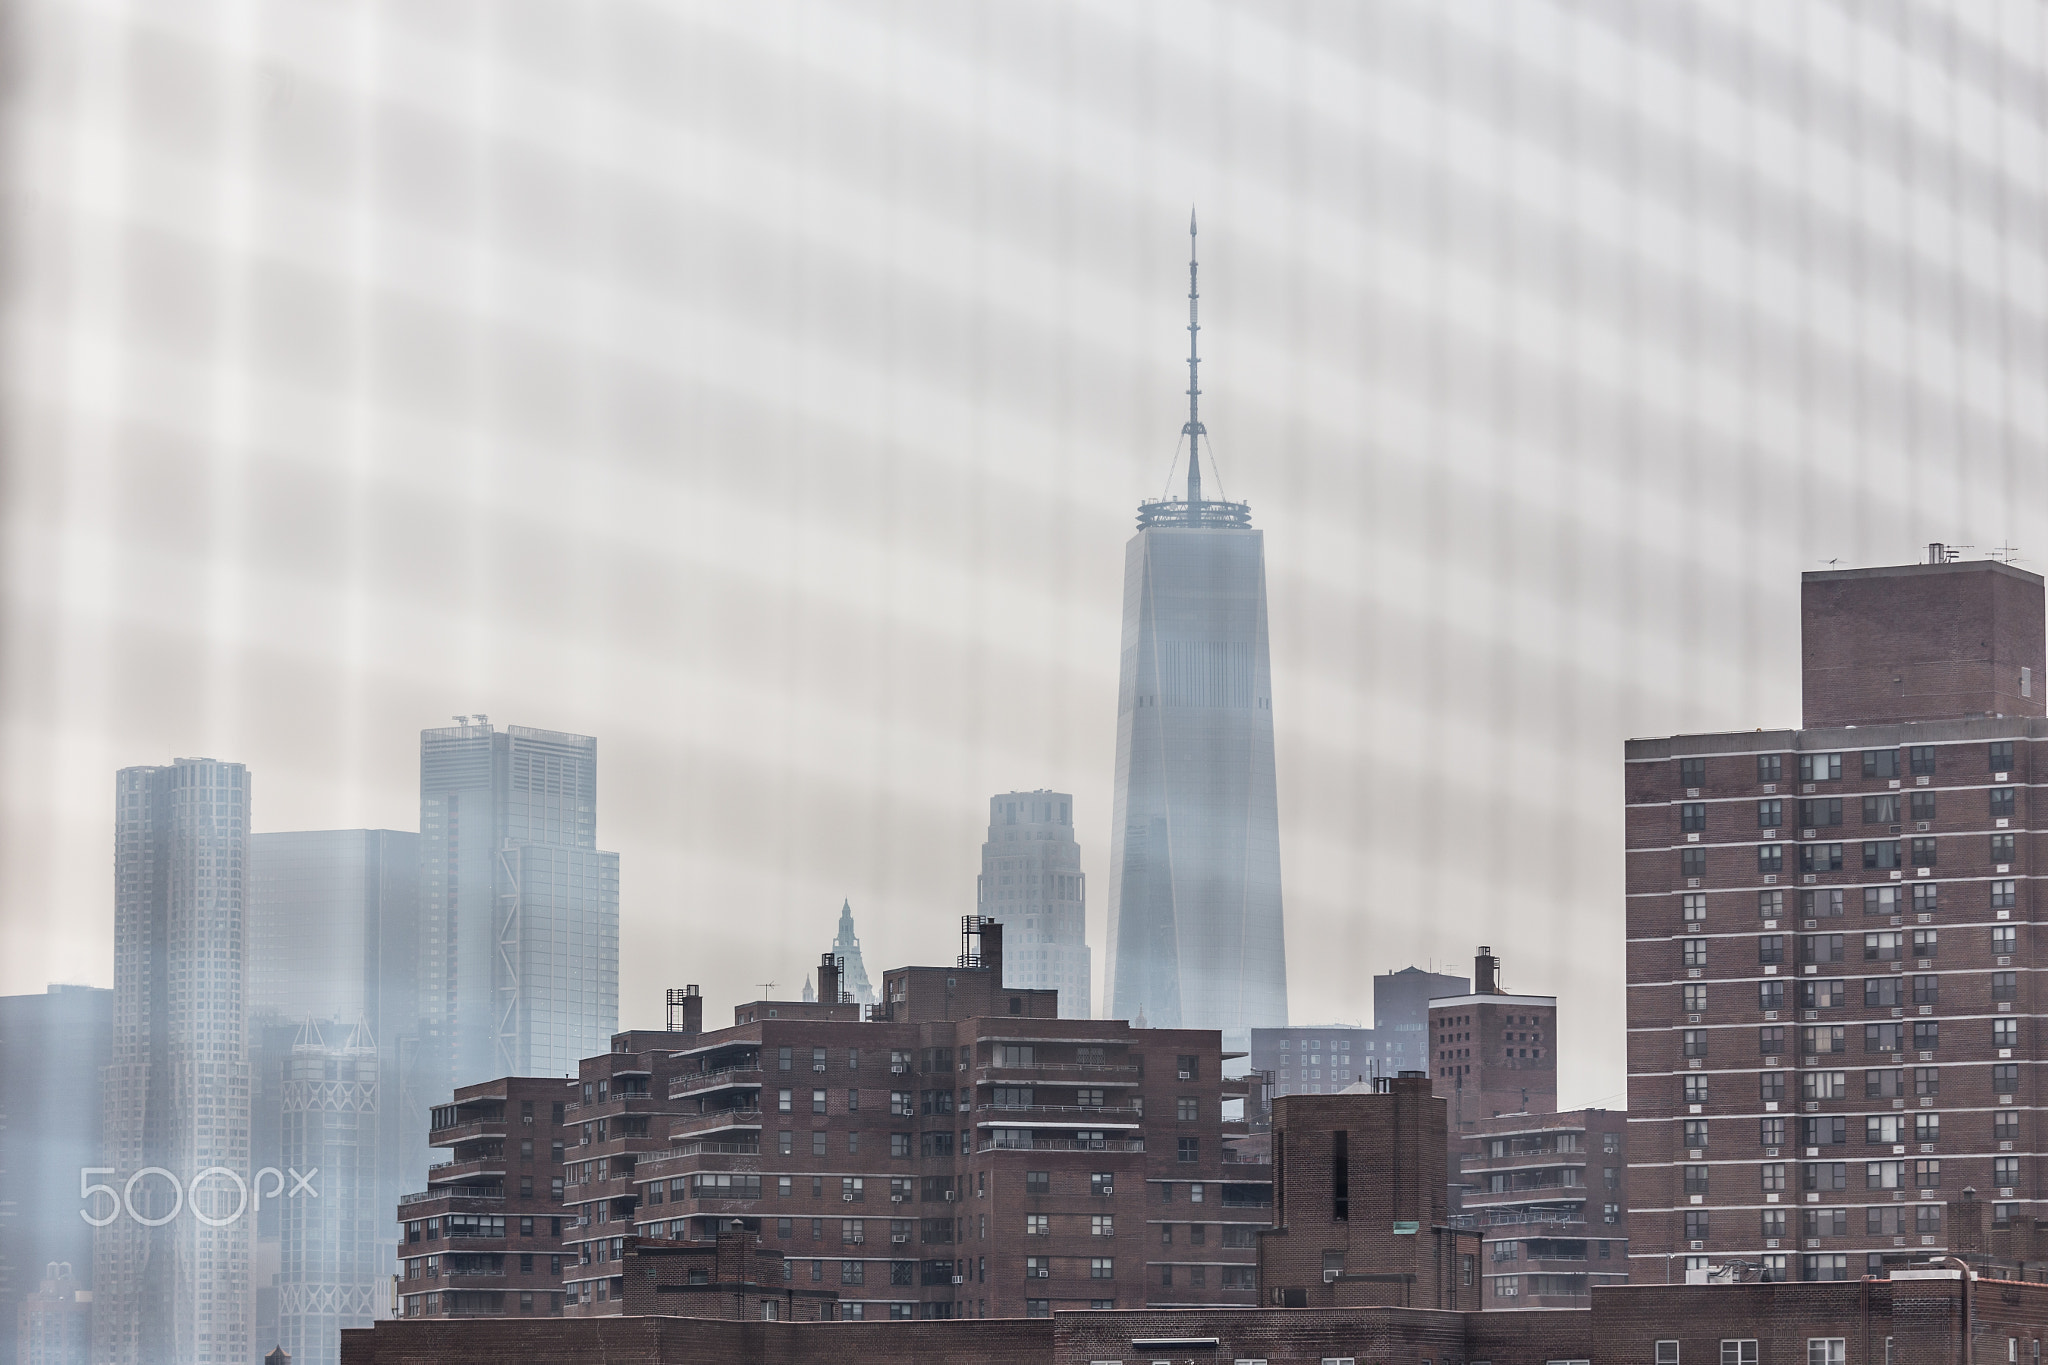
(1031, 880)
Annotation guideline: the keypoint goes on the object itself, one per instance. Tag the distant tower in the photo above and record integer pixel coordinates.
(177, 1091)
(1195, 935)
(1031, 880)
(331, 1252)
(853, 973)
(810, 996)
(519, 908)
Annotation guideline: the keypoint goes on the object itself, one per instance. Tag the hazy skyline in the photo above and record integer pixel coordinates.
(765, 390)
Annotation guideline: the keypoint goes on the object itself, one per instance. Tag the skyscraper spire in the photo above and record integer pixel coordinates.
(1194, 429)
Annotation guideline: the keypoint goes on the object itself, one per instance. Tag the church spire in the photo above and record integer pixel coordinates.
(1194, 430)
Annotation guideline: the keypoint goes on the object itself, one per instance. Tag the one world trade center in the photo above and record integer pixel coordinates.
(1195, 935)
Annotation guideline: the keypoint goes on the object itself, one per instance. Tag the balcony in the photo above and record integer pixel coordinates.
(453, 1192)
(464, 1172)
(1111, 1073)
(461, 1132)
(718, 1078)
(683, 1125)
(702, 1147)
(1108, 1113)
(1065, 1145)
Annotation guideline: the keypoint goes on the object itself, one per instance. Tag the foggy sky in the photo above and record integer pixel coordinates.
(767, 390)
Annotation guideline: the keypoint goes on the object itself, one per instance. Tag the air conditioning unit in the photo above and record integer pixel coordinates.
(959, 1279)
(949, 1196)
(817, 1066)
(857, 1239)
(1184, 1076)
(1332, 1276)
(895, 1198)
(899, 1069)
(846, 1198)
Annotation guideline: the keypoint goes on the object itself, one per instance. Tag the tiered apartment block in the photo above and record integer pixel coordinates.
(1834, 1026)
(1548, 1195)
(484, 1239)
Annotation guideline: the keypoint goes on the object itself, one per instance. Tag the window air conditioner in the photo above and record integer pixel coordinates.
(959, 1279)
(899, 1070)
(1332, 1276)
(949, 1196)
(817, 1066)
(895, 1198)
(1185, 1076)
(846, 1198)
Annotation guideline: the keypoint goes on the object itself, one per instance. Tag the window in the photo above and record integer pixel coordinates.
(1692, 817)
(2005, 986)
(1827, 1130)
(1667, 1353)
(1881, 854)
(1033, 1308)
(1770, 949)
(817, 1101)
(1927, 1174)
(2002, 848)
(1823, 1038)
(1882, 991)
(1692, 862)
(1884, 1085)
(2005, 1078)
(1884, 1037)
(1820, 767)
(785, 1057)
(1880, 810)
(1926, 990)
(818, 1143)
(1038, 1267)
(1773, 1223)
(1188, 1149)
(1696, 1179)
(1821, 813)
(1927, 1080)
(1924, 942)
(2002, 802)
(2000, 756)
(2005, 1171)
(2005, 941)
(1771, 1040)
(783, 1100)
(1882, 947)
(1102, 1225)
(899, 1144)
(1880, 762)
(2005, 1033)
(1101, 1268)
(1770, 858)
(1820, 947)
(1820, 857)
(1923, 806)
(853, 1272)
(1037, 1225)
(1103, 1184)
(1739, 1351)
(1820, 995)
(1770, 814)
(1769, 904)
(1184, 1109)
(1697, 1225)
(1692, 772)
(1695, 952)
(1695, 908)
(1771, 1086)
(2003, 895)
(1922, 852)
(1696, 1133)
(1695, 1089)
(1824, 1085)
(1770, 995)
(1695, 1042)
(1821, 904)
(1770, 768)
(1185, 1069)
(1773, 1175)
(1920, 760)
(1926, 1127)
(1827, 1350)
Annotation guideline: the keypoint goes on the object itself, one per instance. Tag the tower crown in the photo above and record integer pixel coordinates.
(1194, 510)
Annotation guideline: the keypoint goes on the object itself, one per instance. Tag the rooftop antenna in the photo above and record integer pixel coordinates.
(1194, 430)
(766, 986)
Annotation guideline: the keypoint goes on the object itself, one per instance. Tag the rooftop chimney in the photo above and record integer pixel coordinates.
(828, 979)
(992, 949)
(1485, 972)
(686, 1010)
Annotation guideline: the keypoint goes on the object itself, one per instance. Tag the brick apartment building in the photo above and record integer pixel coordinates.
(485, 1236)
(1362, 1244)
(1833, 1020)
(1491, 1052)
(956, 1150)
(1548, 1194)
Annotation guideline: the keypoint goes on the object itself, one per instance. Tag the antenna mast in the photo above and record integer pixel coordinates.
(1194, 429)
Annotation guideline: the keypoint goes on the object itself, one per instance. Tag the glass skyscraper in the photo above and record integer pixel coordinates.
(1195, 935)
(519, 909)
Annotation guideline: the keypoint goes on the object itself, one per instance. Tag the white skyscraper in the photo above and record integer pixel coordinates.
(1195, 933)
(171, 1264)
(519, 908)
(1031, 881)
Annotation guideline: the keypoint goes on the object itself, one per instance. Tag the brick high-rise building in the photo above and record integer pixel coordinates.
(957, 1151)
(1492, 1052)
(484, 1239)
(1833, 1018)
(1031, 881)
(171, 1263)
(1548, 1195)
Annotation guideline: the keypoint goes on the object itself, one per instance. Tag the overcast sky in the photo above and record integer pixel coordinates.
(767, 390)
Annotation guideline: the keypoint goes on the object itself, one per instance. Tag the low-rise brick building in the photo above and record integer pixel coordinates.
(1548, 1196)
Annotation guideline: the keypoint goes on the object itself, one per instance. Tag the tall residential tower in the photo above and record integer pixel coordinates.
(519, 910)
(1031, 881)
(171, 1263)
(1195, 936)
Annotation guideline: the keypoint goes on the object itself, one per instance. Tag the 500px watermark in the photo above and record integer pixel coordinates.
(249, 1195)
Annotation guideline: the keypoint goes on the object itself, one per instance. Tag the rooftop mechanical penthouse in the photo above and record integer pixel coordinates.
(1833, 1007)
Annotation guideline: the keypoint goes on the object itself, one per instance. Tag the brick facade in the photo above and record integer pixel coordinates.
(1548, 1195)
(1834, 1022)
(1362, 1207)
(485, 1236)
